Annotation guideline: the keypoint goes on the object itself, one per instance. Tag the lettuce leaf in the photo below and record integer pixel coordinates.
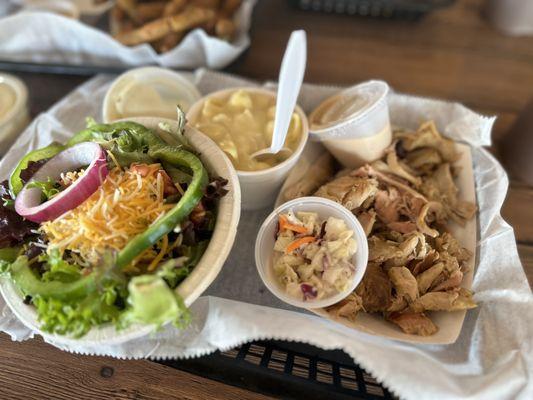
(152, 302)
(58, 269)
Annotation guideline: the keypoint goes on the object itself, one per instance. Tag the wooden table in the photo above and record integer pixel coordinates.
(452, 54)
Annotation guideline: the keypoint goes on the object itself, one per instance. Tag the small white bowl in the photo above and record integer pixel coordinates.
(264, 248)
(259, 188)
(183, 91)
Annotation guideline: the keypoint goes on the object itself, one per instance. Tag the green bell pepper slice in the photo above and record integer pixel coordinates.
(26, 280)
(15, 182)
(9, 254)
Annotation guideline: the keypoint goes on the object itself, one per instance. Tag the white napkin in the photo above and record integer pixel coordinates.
(493, 357)
(49, 38)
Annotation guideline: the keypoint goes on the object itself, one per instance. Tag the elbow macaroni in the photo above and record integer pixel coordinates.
(242, 124)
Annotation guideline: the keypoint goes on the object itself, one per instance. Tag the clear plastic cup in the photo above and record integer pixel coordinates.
(264, 248)
(354, 123)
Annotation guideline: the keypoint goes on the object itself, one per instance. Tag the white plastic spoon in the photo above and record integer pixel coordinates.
(291, 75)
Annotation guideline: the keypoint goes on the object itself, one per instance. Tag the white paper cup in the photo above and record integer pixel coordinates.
(259, 188)
(183, 91)
(264, 248)
(358, 137)
(16, 116)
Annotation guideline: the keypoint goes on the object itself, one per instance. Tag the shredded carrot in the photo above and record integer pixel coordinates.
(159, 257)
(284, 224)
(299, 242)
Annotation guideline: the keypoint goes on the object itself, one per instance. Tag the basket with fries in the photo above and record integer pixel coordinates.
(164, 23)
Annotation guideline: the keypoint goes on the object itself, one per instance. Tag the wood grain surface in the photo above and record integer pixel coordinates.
(35, 370)
(452, 54)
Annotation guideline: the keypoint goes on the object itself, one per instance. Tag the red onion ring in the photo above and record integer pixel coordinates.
(28, 202)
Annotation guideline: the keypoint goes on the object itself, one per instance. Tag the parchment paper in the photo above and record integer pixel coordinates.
(493, 357)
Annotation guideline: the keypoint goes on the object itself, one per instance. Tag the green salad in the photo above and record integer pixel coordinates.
(102, 229)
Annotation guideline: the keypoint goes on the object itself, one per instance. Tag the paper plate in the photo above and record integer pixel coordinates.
(202, 275)
(449, 323)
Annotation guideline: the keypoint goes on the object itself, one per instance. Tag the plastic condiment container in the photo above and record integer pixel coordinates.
(258, 188)
(354, 123)
(148, 92)
(264, 248)
(14, 115)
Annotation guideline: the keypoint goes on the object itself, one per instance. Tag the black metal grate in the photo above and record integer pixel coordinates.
(288, 370)
(400, 9)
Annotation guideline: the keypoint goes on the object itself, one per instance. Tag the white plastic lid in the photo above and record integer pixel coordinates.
(159, 85)
(15, 100)
(357, 112)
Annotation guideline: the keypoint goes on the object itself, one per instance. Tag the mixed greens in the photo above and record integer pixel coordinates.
(128, 285)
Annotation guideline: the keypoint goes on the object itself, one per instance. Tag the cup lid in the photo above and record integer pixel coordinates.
(356, 112)
(15, 98)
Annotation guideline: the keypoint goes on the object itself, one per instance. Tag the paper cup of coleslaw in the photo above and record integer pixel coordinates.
(266, 239)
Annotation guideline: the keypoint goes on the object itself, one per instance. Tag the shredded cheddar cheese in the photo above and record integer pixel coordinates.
(125, 205)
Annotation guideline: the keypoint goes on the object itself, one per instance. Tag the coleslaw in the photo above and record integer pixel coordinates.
(313, 258)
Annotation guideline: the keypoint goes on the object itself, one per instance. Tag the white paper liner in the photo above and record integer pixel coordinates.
(493, 357)
(49, 38)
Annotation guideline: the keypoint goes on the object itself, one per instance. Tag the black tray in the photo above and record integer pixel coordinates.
(397, 9)
(288, 370)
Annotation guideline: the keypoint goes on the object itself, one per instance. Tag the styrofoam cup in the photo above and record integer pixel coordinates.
(264, 248)
(259, 188)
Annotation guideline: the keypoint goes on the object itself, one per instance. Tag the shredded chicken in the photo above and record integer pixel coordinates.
(414, 323)
(423, 159)
(347, 308)
(444, 301)
(317, 174)
(350, 191)
(427, 136)
(426, 263)
(404, 282)
(426, 278)
(375, 290)
(404, 202)
(367, 219)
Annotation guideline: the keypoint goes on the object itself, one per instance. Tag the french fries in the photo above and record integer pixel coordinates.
(164, 23)
(161, 27)
(173, 7)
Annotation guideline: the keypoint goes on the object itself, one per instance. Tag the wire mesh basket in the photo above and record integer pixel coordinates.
(398, 9)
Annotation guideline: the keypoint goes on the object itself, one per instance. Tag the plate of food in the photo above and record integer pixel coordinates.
(117, 231)
(417, 206)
